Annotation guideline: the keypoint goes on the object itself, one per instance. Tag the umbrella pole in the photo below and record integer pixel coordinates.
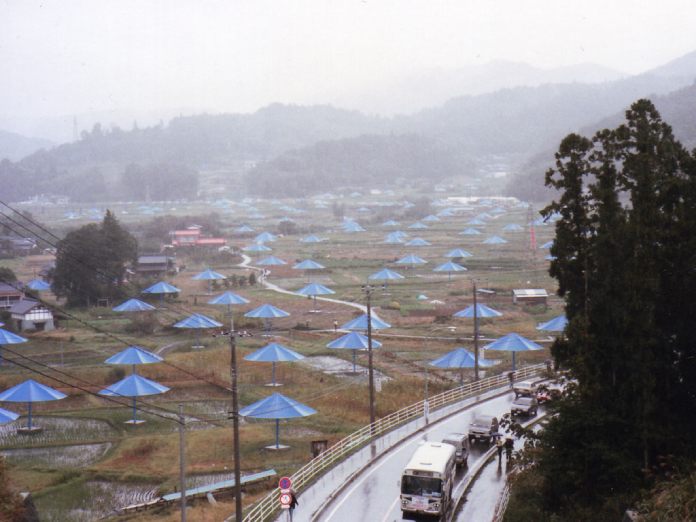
(29, 421)
(273, 373)
(461, 378)
(277, 433)
(134, 410)
(513, 361)
(353, 361)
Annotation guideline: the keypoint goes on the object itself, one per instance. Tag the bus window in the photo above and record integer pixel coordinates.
(423, 486)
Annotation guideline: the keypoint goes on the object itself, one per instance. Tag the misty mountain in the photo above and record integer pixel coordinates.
(432, 87)
(15, 146)
(678, 109)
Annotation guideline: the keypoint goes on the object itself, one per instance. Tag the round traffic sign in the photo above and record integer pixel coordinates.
(285, 483)
(285, 499)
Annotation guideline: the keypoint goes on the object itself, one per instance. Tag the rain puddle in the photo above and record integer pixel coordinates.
(57, 457)
(56, 430)
(343, 368)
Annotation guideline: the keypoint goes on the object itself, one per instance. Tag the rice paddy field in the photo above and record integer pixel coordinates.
(87, 463)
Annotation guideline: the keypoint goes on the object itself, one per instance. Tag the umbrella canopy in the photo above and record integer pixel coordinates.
(134, 386)
(512, 227)
(134, 355)
(390, 223)
(274, 352)
(134, 305)
(482, 311)
(264, 237)
(31, 391)
(271, 261)
(266, 311)
(547, 245)
(310, 239)
(313, 289)
(417, 241)
(475, 222)
(360, 323)
(228, 298)
(244, 229)
(161, 288)
(458, 252)
(353, 341)
(39, 285)
(197, 321)
(7, 416)
(418, 226)
(459, 358)
(257, 247)
(208, 275)
(411, 259)
(385, 275)
(308, 264)
(512, 343)
(430, 219)
(10, 338)
(557, 324)
(393, 239)
(450, 266)
(276, 406)
(470, 232)
(352, 226)
(494, 240)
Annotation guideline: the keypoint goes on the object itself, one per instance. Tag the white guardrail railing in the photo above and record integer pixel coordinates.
(269, 506)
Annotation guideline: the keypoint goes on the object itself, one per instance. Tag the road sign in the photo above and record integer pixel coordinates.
(285, 484)
(285, 500)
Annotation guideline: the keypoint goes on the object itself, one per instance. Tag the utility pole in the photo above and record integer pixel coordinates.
(476, 335)
(235, 427)
(371, 376)
(182, 463)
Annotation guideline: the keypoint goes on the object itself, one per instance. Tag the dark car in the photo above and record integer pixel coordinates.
(461, 444)
(524, 406)
(482, 428)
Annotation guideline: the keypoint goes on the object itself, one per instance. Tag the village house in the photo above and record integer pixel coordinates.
(9, 295)
(29, 314)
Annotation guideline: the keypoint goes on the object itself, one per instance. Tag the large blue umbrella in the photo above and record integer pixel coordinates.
(161, 288)
(512, 227)
(449, 267)
(547, 245)
(266, 312)
(418, 242)
(273, 353)
(31, 391)
(480, 311)
(134, 305)
(360, 323)
(418, 226)
(230, 299)
(494, 240)
(411, 259)
(198, 322)
(470, 232)
(352, 227)
(7, 337)
(430, 219)
(257, 247)
(459, 358)
(385, 275)
(244, 229)
(458, 252)
(311, 239)
(514, 343)
(134, 386)
(264, 237)
(393, 238)
(353, 341)
(475, 222)
(7, 416)
(271, 261)
(134, 355)
(277, 407)
(210, 276)
(308, 264)
(313, 290)
(39, 285)
(390, 223)
(557, 324)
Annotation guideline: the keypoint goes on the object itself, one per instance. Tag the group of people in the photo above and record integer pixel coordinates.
(504, 443)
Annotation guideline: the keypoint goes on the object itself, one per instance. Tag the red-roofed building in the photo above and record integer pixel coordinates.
(192, 237)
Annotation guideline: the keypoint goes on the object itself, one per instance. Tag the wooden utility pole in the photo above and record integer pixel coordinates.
(371, 374)
(235, 427)
(476, 335)
(182, 463)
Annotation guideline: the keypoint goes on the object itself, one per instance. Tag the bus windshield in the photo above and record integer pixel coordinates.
(423, 486)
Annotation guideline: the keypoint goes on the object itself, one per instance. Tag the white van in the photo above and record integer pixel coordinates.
(428, 479)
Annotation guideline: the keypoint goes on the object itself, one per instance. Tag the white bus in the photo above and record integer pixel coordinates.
(427, 480)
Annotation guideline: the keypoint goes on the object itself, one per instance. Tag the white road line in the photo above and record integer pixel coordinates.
(391, 508)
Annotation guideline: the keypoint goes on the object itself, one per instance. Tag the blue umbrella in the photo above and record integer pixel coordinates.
(9, 338)
(458, 252)
(514, 343)
(475, 222)
(418, 226)
(39, 285)
(210, 276)
(512, 227)
(228, 298)
(257, 247)
(430, 219)
(273, 353)
(352, 227)
(411, 259)
(418, 242)
(385, 275)
(134, 386)
(197, 322)
(134, 305)
(457, 359)
(7, 416)
(470, 232)
(266, 312)
(308, 264)
(481, 311)
(557, 324)
(265, 237)
(31, 391)
(161, 288)
(547, 245)
(360, 323)
(276, 407)
(494, 240)
(449, 267)
(134, 355)
(310, 239)
(313, 290)
(353, 341)
(390, 223)
(243, 229)
(271, 261)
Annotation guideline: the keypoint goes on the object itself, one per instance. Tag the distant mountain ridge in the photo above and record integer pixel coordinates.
(14, 146)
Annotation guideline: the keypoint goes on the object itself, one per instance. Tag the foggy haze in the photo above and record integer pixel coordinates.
(154, 60)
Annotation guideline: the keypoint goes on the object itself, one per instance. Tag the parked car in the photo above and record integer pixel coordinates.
(461, 443)
(525, 388)
(524, 406)
(483, 428)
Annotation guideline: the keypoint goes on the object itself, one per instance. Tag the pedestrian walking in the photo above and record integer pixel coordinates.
(511, 378)
(509, 446)
(500, 445)
(293, 503)
(335, 326)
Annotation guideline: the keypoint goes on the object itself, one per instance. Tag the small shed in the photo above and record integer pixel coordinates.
(529, 295)
(156, 265)
(9, 296)
(30, 314)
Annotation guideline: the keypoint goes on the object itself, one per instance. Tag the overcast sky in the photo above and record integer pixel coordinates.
(70, 56)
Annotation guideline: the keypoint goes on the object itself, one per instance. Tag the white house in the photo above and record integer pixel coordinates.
(32, 315)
